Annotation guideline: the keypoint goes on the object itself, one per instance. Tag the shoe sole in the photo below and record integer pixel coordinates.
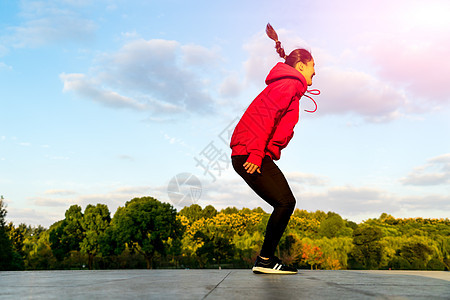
(261, 270)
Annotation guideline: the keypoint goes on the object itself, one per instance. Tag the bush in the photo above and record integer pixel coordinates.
(435, 264)
(399, 263)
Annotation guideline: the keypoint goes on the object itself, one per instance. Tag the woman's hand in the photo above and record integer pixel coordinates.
(251, 168)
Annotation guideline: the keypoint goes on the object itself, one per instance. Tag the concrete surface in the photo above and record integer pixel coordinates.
(223, 284)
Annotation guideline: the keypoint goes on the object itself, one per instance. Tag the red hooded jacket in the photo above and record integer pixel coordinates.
(267, 125)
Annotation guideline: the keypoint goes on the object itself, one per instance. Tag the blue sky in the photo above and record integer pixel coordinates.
(103, 101)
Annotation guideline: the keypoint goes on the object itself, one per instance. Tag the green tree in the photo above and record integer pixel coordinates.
(259, 210)
(435, 264)
(215, 247)
(319, 215)
(386, 218)
(209, 212)
(56, 232)
(66, 235)
(230, 210)
(399, 263)
(290, 248)
(351, 224)
(145, 225)
(335, 251)
(17, 236)
(73, 230)
(174, 250)
(193, 212)
(306, 224)
(96, 220)
(110, 245)
(445, 250)
(6, 249)
(367, 251)
(417, 254)
(38, 252)
(331, 226)
(248, 246)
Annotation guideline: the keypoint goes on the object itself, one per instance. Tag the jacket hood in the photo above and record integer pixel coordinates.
(282, 71)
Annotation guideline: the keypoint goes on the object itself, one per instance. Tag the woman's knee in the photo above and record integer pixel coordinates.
(291, 206)
(288, 203)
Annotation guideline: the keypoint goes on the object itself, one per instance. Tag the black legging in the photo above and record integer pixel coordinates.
(271, 185)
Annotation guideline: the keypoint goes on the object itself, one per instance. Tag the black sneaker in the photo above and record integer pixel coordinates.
(272, 266)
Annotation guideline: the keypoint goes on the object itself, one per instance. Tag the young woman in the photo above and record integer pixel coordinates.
(262, 132)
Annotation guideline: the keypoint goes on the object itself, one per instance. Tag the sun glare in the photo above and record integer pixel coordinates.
(432, 15)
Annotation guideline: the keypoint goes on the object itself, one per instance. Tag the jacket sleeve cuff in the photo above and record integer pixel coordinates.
(255, 159)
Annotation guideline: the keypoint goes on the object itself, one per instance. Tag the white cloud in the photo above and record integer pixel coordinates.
(130, 35)
(174, 140)
(58, 201)
(33, 216)
(50, 22)
(352, 91)
(53, 157)
(133, 190)
(231, 86)
(126, 157)
(442, 159)
(417, 63)
(424, 203)
(262, 57)
(199, 56)
(350, 201)
(228, 192)
(413, 50)
(308, 179)
(435, 172)
(50, 201)
(3, 50)
(60, 192)
(89, 89)
(147, 75)
(4, 66)
(40, 32)
(405, 44)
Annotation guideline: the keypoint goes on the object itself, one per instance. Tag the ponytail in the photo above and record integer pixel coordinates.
(271, 33)
(297, 55)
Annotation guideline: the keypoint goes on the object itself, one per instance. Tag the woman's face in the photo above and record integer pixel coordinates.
(307, 70)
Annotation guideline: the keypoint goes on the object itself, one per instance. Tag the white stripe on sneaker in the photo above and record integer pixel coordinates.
(277, 266)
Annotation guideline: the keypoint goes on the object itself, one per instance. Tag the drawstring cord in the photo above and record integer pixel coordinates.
(315, 93)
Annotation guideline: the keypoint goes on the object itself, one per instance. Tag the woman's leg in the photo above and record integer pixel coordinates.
(270, 185)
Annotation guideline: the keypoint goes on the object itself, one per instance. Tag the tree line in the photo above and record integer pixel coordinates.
(147, 233)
